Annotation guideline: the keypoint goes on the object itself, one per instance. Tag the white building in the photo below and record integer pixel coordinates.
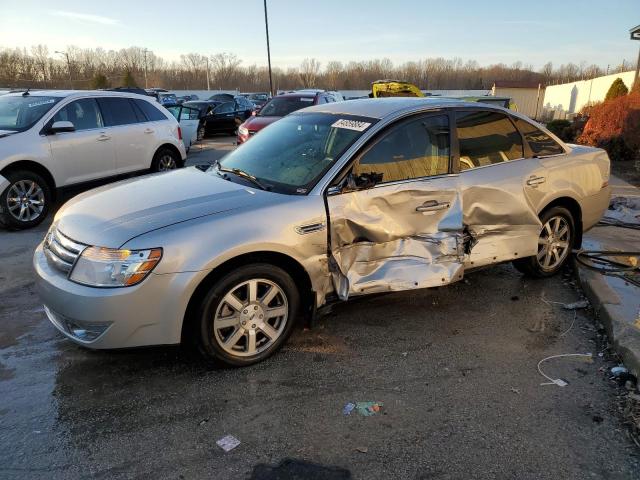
(527, 96)
(565, 100)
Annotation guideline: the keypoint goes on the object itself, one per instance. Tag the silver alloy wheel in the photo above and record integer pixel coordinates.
(166, 162)
(250, 317)
(25, 200)
(554, 243)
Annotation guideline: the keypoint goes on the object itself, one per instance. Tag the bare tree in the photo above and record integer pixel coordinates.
(309, 70)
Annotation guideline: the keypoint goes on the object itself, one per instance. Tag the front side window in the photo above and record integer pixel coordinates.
(282, 106)
(540, 143)
(117, 111)
(292, 154)
(20, 113)
(415, 149)
(84, 114)
(486, 138)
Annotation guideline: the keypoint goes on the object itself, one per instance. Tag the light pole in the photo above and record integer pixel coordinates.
(635, 35)
(207, 62)
(66, 54)
(145, 68)
(266, 26)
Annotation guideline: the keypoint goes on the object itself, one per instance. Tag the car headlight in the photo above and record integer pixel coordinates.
(243, 130)
(108, 267)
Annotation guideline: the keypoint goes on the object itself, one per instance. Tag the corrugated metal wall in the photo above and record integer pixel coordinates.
(528, 100)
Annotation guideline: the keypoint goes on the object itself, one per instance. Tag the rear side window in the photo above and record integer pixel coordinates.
(418, 148)
(117, 111)
(486, 138)
(225, 108)
(541, 144)
(151, 112)
(84, 114)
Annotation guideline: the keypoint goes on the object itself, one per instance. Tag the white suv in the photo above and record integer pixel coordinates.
(54, 139)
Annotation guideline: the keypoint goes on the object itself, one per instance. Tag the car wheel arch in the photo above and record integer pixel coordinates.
(574, 207)
(34, 167)
(171, 147)
(286, 262)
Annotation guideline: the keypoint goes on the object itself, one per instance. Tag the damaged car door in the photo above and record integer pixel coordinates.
(395, 212)
(499, 182)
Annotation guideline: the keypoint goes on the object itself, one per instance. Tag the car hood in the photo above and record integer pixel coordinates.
(6, 133)
(257, 123)
(109, 216)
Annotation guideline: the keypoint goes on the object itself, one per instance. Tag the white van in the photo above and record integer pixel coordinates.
(53, 139)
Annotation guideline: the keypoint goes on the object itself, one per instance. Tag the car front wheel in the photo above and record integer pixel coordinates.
(247, 315)
(26, 201)
(554, 244)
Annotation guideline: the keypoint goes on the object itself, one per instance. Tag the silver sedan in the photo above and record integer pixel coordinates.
(332, 202)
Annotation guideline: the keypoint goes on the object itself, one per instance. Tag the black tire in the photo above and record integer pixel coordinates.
(206, 338)
(532, 266)
(165, 159)
(10, 213)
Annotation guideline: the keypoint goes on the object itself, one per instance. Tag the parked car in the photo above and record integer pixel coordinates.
(186, 98)
(332, 202)
(394, 88)
(222, 116)
(167, 99)
(258, 99)
(278, 107)
(189, 120)
(53, 139)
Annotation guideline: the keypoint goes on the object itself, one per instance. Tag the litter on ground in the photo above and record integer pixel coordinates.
(228, 443)
(366, 409)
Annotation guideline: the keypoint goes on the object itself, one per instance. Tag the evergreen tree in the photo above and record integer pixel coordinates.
(129, 80)
(100, 81)
(617, 89)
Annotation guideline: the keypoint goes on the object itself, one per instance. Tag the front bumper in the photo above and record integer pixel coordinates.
(150, 313)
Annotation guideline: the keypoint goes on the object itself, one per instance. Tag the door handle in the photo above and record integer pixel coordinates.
(103, 137)
(535, 181)
(432, 206)
(148, 130)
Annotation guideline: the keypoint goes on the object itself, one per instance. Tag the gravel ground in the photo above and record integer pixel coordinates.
(454, 366)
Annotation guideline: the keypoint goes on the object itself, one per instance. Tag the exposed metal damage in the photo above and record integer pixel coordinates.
(381, 240)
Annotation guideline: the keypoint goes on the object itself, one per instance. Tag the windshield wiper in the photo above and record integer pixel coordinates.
(241, 173)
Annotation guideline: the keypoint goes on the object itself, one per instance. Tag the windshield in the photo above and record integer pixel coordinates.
(18, 113)
(282, 106)
(292, 154)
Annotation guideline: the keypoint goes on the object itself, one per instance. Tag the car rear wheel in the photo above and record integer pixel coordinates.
(26, 201)
(164, 160)
(554, 244)
(247, 315)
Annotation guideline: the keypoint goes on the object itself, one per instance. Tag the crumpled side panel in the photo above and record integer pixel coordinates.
(380, 243)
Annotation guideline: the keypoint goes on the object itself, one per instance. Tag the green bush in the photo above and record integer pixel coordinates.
(617, 89)
(565, 130)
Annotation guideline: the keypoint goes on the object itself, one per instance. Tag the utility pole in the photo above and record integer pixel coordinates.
(207, 62)
(266, 26)
(66, 54)
(145, 68)
(635, 35)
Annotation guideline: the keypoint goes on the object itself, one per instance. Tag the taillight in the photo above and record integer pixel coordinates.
(179, 133)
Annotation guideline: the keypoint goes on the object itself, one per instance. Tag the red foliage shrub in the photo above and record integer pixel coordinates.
(615, 126)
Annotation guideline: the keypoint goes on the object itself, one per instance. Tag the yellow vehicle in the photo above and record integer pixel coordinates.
(394, 88)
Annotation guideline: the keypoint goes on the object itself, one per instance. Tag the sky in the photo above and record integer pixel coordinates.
(488, 31)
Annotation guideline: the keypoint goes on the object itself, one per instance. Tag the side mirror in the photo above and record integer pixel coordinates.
(353, 183)
(364, 180)
(61, 126)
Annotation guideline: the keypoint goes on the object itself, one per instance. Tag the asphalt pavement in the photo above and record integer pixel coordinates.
(455, 368)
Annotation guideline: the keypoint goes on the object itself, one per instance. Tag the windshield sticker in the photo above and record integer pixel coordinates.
(351, 125)
(304, 99)
(41, 102)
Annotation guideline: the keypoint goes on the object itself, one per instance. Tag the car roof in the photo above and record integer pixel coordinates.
(79, 93)
(296, 95)
(384, 107)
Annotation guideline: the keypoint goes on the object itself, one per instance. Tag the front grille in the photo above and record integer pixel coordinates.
(61, 251)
